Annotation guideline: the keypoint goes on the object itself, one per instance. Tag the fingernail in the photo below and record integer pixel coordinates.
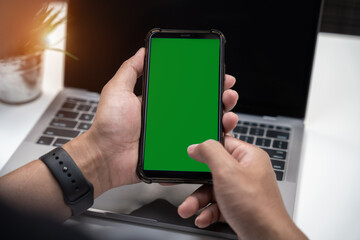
(192, 147)
(197, 222)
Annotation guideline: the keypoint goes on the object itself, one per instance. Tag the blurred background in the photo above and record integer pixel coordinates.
(341, 16)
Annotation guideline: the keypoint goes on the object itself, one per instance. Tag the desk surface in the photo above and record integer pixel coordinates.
(328, 198)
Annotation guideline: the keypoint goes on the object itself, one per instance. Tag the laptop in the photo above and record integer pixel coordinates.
(270, 49)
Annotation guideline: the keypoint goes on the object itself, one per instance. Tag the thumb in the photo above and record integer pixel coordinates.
(213, 154)
(130, 70)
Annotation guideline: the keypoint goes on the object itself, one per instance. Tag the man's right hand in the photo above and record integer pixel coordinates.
(244, 192)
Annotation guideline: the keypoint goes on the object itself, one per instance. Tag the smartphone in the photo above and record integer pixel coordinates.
(181, 105)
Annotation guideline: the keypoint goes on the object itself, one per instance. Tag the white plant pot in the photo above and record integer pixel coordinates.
(21, 78)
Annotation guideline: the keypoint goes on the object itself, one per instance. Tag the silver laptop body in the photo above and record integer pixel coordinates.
(128, 203)
(118, 203)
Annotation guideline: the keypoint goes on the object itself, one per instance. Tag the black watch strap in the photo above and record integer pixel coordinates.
(78, 192)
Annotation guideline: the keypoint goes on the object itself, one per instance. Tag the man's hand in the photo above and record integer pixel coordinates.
(244, 192)
(107, 153)
(113, 139)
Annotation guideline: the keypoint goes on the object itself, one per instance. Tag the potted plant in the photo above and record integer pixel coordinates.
(21, 74)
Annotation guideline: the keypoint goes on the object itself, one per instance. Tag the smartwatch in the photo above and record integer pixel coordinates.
(78, 192)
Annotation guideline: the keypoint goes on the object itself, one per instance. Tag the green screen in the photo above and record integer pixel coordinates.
(182, 104)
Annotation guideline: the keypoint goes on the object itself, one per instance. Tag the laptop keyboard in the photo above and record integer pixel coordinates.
(76, 116)
(73, 118)
(271, 138)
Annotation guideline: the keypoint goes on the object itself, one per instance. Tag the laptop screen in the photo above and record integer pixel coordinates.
(270, 44)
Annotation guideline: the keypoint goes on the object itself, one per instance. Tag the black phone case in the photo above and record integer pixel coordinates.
(140, 164)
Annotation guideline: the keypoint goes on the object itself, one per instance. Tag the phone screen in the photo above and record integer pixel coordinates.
(182, 105)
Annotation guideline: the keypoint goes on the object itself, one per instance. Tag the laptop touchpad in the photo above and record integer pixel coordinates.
(128, 198)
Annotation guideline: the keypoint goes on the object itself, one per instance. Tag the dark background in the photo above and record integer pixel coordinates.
(341, 16)
(269, 43)
(269, 49)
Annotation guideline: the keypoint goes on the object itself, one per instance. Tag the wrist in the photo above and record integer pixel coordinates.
(89, 158)
(275, 224)
(285, 228)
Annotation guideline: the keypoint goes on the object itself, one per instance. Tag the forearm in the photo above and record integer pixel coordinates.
(34, 188)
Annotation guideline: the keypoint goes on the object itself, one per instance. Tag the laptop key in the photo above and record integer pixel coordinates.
(263, 125)
(84, 126)
(94, 110)
(263, 142)
(278, 135)
(84, 107)
(69, 105)
(63, 123)
(66, 114)
(75, 99)
(279, 175)
(61, 132)
(247, 139)
(279, 165)
(257, 131)
(45, 140)
(240, 129)
(280, 144)
(246, 123)
(276, 154)
(60, 141)
(86, 117)
(283, 128)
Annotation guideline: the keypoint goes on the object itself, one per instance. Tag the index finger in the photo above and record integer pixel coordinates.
(229, 81)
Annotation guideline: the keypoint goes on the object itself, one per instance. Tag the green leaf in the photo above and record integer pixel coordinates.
(64, 51)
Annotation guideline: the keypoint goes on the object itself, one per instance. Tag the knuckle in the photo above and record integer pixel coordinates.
(127, 63)
(201, 148)
(205, 145)
(221, 172)
(208, 145)
(263, 154)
